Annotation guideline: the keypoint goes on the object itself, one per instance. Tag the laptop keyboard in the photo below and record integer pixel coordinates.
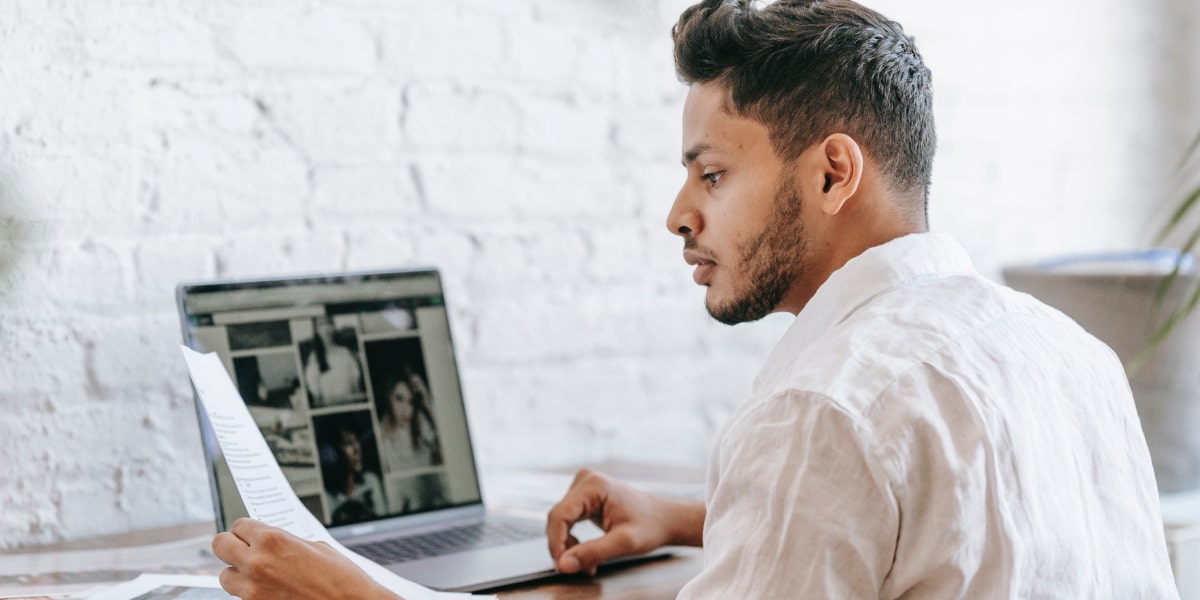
(448, 541)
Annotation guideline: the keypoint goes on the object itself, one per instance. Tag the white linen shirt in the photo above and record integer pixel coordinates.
(922, 432)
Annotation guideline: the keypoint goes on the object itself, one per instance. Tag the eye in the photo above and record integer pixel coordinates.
(714, 177)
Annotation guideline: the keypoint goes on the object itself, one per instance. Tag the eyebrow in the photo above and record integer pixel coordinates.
(694, 153)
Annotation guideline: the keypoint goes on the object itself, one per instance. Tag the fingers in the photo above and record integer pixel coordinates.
(559, 522)
(584, 498)
(230, 548)
(249, 530)
(588, 555)
(248, 541)
(260, 536)
(268, 562)
(581, 475)
(232, 582)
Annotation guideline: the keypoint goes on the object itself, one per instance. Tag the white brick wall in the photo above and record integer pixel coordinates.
(529, 148)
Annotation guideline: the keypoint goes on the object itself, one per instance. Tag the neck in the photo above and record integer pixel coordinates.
(831, 254)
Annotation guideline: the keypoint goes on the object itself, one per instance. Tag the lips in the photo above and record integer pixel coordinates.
(704, 264)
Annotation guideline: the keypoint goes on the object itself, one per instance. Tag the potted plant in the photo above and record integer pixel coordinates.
(1142, 305)
(1176, 224)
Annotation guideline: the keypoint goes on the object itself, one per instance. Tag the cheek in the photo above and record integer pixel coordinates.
(737, 239)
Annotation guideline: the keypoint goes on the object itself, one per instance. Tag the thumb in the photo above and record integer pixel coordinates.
(588, 555)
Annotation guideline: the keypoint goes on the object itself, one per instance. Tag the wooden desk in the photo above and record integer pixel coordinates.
(79, 565)
(661, 578)
(117, 558)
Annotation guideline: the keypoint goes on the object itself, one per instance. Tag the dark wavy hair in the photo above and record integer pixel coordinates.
(420, 404)
(810, 68)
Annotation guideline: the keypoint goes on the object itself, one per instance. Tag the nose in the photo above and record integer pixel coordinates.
(683, 219)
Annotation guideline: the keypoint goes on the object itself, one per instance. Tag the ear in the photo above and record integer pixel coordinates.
(842, 165)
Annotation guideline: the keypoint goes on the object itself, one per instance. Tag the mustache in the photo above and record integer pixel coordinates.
(694, 251)
(690, 245)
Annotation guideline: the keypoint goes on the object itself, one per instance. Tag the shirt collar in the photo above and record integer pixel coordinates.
(895, 263)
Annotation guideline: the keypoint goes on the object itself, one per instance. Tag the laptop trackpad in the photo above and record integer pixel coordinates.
(481, 568)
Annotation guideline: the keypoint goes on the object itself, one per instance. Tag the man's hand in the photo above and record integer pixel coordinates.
(634, 522)
(267, 562)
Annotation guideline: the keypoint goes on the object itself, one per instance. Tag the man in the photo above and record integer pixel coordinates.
(919, 431)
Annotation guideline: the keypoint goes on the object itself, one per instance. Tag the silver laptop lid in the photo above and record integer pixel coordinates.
(352, 380)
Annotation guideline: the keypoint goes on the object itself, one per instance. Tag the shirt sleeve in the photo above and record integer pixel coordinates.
(797, 508)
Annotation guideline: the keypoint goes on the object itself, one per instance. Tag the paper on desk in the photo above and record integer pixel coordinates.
(199, 587)
(267, 494)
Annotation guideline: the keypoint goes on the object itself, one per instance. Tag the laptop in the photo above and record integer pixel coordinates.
(353, 382)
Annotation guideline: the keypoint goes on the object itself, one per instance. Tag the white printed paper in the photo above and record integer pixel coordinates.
(165, 587)
(265, 491)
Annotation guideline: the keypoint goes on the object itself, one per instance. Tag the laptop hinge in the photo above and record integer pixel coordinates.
(364, 532)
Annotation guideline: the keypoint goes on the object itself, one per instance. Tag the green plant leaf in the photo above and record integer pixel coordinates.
(1161, 332)
(1165, 330)
(1189, 153)
(1180, 212)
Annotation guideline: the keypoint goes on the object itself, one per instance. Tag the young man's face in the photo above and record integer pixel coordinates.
(738, 212)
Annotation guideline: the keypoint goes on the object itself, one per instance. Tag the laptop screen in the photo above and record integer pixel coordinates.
(353, 382)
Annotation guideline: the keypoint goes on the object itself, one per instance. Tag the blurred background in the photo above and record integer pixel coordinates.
(528, 148)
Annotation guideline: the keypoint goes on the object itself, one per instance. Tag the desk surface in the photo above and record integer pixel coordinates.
(77, 566)
(59, 568)
(661, 578)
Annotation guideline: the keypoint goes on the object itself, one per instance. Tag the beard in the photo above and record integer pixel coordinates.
(770, 264)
